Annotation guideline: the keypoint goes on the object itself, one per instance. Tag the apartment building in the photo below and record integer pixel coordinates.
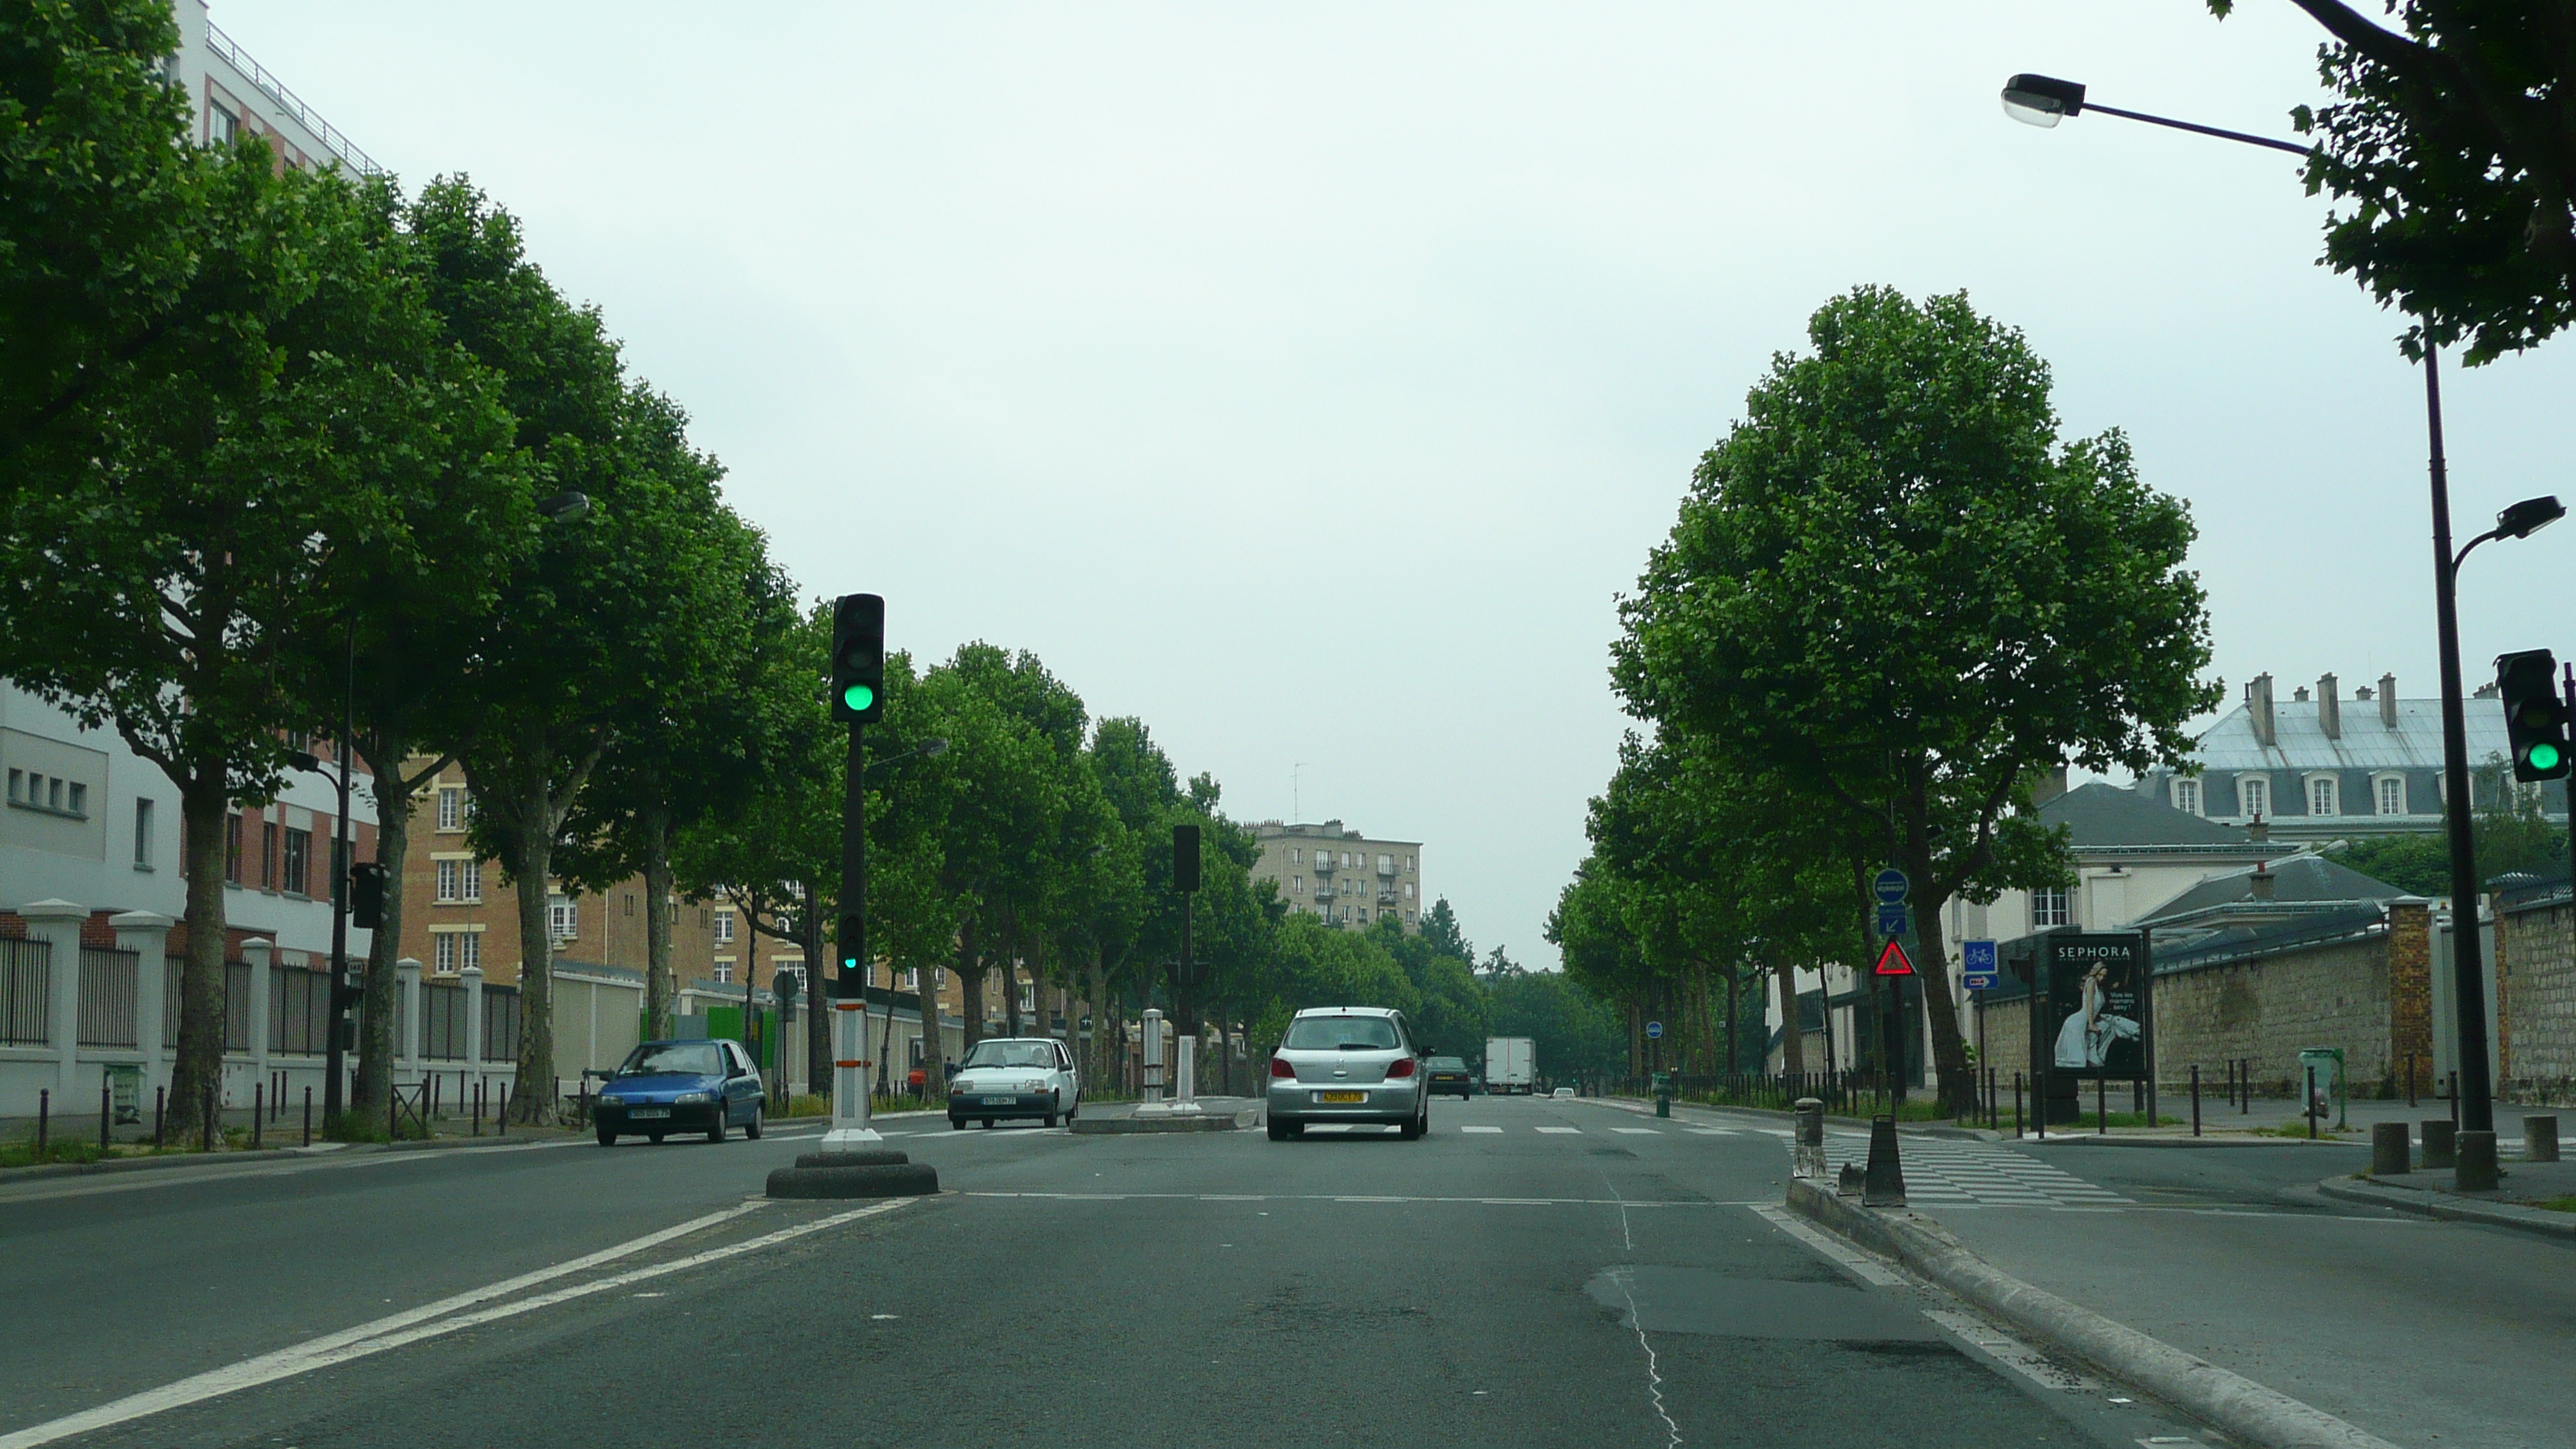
(233, 95)
(1347, 878)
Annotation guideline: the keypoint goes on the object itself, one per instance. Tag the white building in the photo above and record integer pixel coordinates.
(1341, 875)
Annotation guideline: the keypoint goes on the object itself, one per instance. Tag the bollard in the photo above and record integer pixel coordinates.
(2540, 1139)
(1883, 1184)
(2244, 1086)
(2438, 1143)
(206, 1119)
(2390, 1149)
(160, 1104)
(393, 1111)
(2195, 1099)
(501, 1118)
(1809, 1158)
(478, 1108)
(2455, 1101)
(44, 1118)
(2101, 1107)
(2016, 1106)
(2477, 1162)
(2312, 1113)
(107, 1115)
(308, 1116)
(258, 1110)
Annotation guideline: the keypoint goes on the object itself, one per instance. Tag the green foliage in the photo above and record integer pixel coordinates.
(2511, 835)
(1575, 1033)
(2448, 147)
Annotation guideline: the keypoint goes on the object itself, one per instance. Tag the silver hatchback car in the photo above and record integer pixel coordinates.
(1347, 1064)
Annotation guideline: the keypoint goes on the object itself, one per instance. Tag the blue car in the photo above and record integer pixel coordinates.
(680, 1086)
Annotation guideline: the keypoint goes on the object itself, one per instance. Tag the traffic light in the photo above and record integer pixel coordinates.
(2535, 718)
(1185, 857)
(367, 895)
(854, 933)
(858, 659)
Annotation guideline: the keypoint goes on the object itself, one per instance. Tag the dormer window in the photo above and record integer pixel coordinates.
(2322, 793)
(2186, 796)
(2388, 794)
(2254, 795)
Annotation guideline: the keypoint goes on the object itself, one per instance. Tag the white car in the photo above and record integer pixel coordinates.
(1015, 1076)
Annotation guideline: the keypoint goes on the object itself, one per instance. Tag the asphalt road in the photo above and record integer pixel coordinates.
(1533, 1273)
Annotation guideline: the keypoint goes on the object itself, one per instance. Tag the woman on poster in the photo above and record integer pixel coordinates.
(2084, 1039)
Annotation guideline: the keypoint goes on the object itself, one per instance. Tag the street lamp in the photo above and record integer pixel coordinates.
(569, 506)
(2040, 100)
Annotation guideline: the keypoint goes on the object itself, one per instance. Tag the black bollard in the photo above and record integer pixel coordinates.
(44, 1118)
(258, 1110)
(2016, 1106)
(2101, 1107)
(160, 1106)
(2389, 1149)
(2410, 1080)
(207, 1119)
(308, 1116)
(1884, 1182)
(2308, 1104)
(106, 1115)
(2195, 1099)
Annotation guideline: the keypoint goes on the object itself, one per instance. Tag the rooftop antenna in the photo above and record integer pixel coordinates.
(1296, 795)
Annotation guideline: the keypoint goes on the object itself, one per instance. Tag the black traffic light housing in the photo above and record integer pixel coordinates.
(858, 659)
(2535, 718)
(853, 973)
(367, 895)
(1185, 857)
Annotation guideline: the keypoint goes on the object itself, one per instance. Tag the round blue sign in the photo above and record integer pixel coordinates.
(1891, 886)
(1654, 1031)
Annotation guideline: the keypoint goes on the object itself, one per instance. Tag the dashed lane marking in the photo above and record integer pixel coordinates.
(1564, 1131)
(1638, 1131)
(1497, 1131)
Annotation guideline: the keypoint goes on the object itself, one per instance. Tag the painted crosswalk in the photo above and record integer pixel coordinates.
(1942, 1172)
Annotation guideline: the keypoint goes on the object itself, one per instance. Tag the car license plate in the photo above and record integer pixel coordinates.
(1341, 1096)
(648, 1112)
(1000, 1101)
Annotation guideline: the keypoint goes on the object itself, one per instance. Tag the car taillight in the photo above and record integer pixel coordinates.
(1403, 1067)
(1279, 1067)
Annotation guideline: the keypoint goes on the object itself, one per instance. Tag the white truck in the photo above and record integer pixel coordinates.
(1511, 1064)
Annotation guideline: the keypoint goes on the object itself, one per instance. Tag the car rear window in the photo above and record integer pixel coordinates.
(693, 1058)
(1338, 1033)
(1447, 1064)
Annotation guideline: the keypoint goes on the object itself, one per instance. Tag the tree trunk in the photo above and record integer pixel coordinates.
(1734, 1034)
(199, 1065)
(661, 990)
(1949, 1049)
(1011, 1022)
(970, 986)
(818, 1027)
(1094, 1053)
(377, 987)
(533, 1093)
(1793, 1040)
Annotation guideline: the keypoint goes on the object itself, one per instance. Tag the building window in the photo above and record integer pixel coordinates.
(2391, 792)
(473, 949)
(2254, 794)
(912, 978)
(453, 811)
(2321, 795)
(142, 835)
(563, 918)
(460, 880)
(630, 903)
(1408, 915)
(1386, 863)
(443, 952)
(2050, 908)
(2186, 796)
(724, 926)
(221, 125)
(724, 971)
(232, 848)
(1408, 894)
(268, 854)
(298, 862)
(300, 741)
(1296, 855)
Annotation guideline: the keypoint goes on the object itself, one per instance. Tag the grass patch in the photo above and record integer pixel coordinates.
(2557, 1204)
(2299, 1130)
(57, 1149)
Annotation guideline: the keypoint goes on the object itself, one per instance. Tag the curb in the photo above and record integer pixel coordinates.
(2230, 1401)
(235, 1157)
(1774, 1114)
(2434, 1203)
(1205, 1122)
(2186, 1143)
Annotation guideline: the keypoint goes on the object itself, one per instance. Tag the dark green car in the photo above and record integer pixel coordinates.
(1448, 1074)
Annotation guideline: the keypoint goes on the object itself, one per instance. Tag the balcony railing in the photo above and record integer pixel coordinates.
(275, 89)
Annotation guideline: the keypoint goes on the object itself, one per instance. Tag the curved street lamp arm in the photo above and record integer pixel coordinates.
(2197, 129)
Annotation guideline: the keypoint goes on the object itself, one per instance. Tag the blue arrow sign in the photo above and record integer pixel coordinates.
(1654, 1031)
(1893, 918)
(1891, 886)
(1977, 964)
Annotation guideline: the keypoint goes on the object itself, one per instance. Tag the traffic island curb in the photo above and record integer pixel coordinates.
(854, 1174)
(2230, 1401)
(2435, 1203)
(1202, 1122)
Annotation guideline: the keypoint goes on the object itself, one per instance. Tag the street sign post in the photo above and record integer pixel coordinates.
(1977, 964)
(1894, 962)
(1891, 886)
(1654, 1031)
(1894, 919)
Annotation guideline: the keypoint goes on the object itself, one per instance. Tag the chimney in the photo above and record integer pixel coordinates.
(2388, 701)
(2299, 695)
(2329, 707)
(2050, 786)
(2258, 708)
(2264, 883)
(2259, 831)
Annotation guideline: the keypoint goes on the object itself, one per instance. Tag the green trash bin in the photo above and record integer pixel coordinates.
(1663, 1094)
(2327, 1064)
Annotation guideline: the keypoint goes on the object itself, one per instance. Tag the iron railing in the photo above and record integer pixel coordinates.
(26, 992)
(275, 89)
(107, 997)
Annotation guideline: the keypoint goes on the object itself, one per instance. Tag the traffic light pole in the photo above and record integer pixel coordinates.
(850, 1129)
(335, 1051)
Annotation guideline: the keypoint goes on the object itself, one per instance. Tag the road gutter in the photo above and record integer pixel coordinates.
(2228, 1400)
(2434, 1203)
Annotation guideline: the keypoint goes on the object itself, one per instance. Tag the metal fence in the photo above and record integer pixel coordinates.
(1842, 1093)
(442, 1022)
(299, 1011)
(107, 997)
(26, 992)
(500, 1023)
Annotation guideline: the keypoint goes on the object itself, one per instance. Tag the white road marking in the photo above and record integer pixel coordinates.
(1712, 1132)
(1497, 1131)
(348, 1343)
(1346, 1197)
(1564, 1131)
(1638, 1131)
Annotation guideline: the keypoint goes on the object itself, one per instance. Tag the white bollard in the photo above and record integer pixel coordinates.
(1185, 1072)
(1153, 1055)
(850, 1130)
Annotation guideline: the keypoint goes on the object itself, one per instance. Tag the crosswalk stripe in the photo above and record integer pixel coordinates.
(1568, 1131)
(1638, 1131)
(1495, 1130)
(1708, 1132)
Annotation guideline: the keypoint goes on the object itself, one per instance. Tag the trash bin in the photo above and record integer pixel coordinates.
(2327, 1064)
(1663, 1094)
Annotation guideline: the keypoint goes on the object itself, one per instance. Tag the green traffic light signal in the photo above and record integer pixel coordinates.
(2544, 756)
(858, 697)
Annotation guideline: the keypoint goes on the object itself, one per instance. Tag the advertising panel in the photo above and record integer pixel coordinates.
(2092, 1017)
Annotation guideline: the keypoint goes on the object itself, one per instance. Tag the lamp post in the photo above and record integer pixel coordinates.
(2044, 101)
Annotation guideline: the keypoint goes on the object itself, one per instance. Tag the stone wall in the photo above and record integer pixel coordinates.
(2007, 1037)
(2536, 1004)
(2265, 1009)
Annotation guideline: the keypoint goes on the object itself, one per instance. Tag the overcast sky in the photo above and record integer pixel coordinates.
(1310, 379)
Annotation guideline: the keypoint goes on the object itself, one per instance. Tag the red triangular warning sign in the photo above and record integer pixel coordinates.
(1892, 962)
